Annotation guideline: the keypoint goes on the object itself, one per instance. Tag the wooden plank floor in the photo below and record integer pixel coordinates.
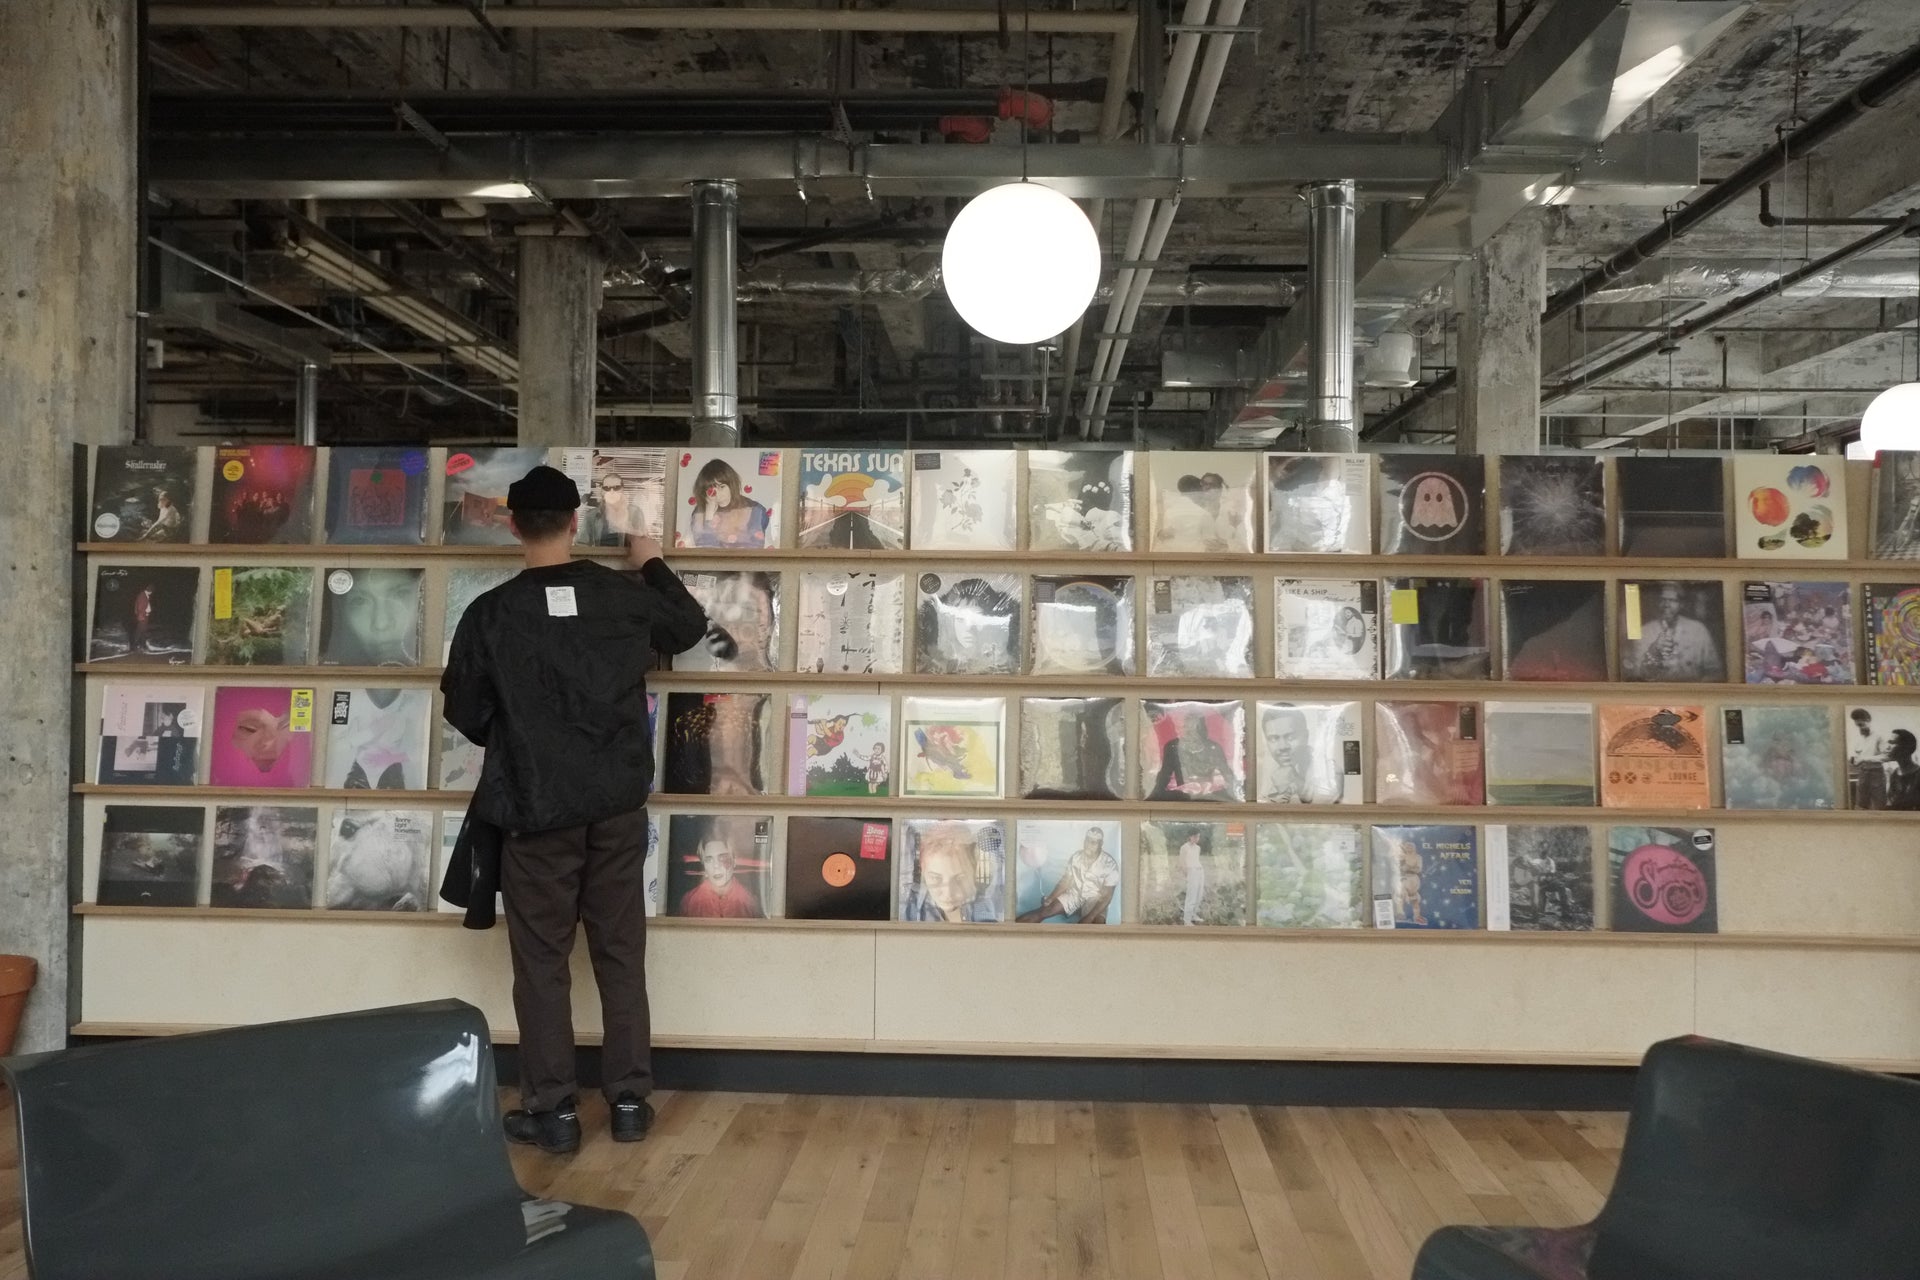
(785, 1187)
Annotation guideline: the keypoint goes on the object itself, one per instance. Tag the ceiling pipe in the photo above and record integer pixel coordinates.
(306, 405)
(716, 328)
(1118, 26)
(1797, 144)
(1710, 319)
(1330, 404)
(1705, 281)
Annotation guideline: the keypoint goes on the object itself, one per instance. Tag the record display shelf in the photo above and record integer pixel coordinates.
(1815, 950)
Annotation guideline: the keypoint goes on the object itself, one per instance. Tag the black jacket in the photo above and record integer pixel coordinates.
(548, 673)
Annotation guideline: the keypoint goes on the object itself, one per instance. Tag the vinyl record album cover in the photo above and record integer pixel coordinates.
(716, 744)
(372, 617)
(1193, 873)
(963, 500)
(1433, 504)
(377, 738)
(1552, 505)
(1778, 757)
(1540, 753)
(1201, 627)
(262, 737)
(262, 493)
(150, 734)
(263, 855)
(953, 870)
(1893, 633)
(379, 860)
(968, 624)
(852, 499)
(1082, 625)
(747, 605)
(845, 744)
(260, 617)
(1073, 748)
(1309, 875)
(1882, 772)
(150, 855)
(1437, 629)
(1789, 508)
(1653, 757)
(1307, 752)
(623, 493)
(1896, 505)
(460, 760)
(464, 586)
(1193, 750)
(851, 623)
(839, 868)
(1319, 503)
(719, 866)
(1426, 877)
(1539, 878)
(728, 498)
(1067, 872)
(1204, 501)
(952, 746)
(377, 495)
(1672, 507)
(1662, 880)
(1325, 629)
(1427, 753)
(1554, 630)
(1673, 632)
(1798, 632)
(1079, 500)
(144, 493)
(474, 509)
(143, 614)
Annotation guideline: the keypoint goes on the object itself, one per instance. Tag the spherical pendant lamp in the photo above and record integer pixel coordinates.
(1892, 421)
(1021, 263)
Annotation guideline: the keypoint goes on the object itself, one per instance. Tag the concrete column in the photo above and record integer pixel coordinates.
(559, 339)
(1500, 294)
(67, 351)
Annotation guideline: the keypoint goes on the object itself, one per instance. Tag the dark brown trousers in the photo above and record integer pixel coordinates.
(593, 875)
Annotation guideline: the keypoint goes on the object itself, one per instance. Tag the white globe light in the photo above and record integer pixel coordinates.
(1021, 263)
(1892, 421)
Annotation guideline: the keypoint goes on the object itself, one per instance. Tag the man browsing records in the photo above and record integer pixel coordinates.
(548, 673)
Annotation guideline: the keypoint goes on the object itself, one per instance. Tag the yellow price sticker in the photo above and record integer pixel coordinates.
(300, 713)
(1404, 608)
(233, 470)
(222, 594)
(1630, 608)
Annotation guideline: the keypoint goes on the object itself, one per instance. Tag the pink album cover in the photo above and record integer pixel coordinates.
(262, 737)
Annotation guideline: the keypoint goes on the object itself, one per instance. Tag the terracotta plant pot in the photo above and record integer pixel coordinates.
(16, 980)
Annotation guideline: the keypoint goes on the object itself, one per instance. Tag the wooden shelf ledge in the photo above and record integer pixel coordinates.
(1244, 933)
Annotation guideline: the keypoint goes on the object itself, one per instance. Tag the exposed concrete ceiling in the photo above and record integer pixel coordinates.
(1314, 66)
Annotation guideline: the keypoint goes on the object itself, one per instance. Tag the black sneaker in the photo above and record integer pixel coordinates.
(555, 1132)
(632, 1118)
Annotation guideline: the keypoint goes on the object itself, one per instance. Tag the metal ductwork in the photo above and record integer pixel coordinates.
(1704, 281)
(716, 328)
(1533, 132)
(1330, 225)
(920, 278)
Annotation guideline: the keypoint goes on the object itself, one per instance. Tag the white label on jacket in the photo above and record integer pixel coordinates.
(561, 604)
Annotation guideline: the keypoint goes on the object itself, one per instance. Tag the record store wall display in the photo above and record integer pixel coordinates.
(1021, 690)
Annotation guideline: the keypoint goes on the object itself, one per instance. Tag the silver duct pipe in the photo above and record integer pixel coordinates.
(1704, 281)
(716, 331)
(306, 405)
(1330, 227)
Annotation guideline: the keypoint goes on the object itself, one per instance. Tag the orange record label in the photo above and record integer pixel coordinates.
(837, 870)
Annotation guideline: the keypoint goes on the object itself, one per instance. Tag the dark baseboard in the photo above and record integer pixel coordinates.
(1318, 1084)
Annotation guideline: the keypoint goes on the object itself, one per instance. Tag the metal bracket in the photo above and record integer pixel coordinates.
(405, 113)
(1207, 29)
